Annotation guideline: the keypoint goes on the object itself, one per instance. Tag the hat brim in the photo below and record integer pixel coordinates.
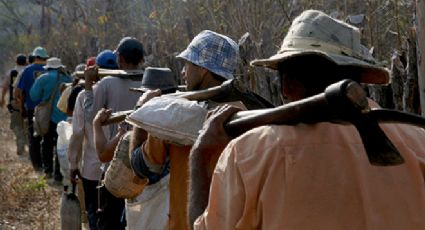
(144, 88)
(185, 55)
(370, 74)
(53, 67)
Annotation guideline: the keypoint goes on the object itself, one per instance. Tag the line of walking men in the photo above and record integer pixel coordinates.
(304, 176)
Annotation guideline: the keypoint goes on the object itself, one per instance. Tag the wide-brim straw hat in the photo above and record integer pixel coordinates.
(315, 33)
(53, 63)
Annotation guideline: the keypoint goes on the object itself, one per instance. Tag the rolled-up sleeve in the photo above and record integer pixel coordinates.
(144, 169)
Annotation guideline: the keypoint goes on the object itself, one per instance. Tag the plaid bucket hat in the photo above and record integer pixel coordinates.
(214, 52)
(315, 33)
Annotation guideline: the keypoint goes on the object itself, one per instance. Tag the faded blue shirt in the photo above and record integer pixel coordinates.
(43, 87)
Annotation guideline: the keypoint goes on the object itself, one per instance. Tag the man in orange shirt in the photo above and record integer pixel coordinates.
(310, 176)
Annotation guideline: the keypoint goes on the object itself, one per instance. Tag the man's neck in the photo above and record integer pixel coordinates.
(39, 61)
(126, 66)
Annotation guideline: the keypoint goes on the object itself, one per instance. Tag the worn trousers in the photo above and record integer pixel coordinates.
(91, 201)
(111, 211)
(48, 152)
(17, 125)
(34, 143)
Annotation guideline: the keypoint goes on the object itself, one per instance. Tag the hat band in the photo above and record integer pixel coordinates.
(300, 43)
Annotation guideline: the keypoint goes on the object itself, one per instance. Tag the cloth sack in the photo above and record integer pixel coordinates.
(151, 208)
(63, 99)
(70, 211)
(176, 120)
(64, 130)
(42, 113)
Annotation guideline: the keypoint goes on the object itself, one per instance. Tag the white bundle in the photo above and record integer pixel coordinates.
(176, 120)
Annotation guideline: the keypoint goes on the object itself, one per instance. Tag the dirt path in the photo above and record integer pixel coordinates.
(27, 200)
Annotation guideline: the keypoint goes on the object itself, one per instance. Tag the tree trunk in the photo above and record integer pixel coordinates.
(382, 94)
(411, 94)
(265, 83)
(397, 80)
(420, 25)
(43, 25)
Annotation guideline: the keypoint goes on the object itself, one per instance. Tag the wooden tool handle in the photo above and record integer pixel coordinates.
(117, 117)
(113, 72)
(312, 109)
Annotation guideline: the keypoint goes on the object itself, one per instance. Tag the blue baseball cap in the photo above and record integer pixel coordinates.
(214, 52)
(107, 59)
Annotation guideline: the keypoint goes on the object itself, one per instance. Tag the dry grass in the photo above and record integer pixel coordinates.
(27, 200)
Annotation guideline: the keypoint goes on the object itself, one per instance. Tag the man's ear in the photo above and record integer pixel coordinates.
(120, 59)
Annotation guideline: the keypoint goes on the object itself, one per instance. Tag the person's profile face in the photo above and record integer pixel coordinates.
(192, 76)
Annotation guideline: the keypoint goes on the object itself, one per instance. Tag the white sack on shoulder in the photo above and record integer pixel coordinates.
(172, 119)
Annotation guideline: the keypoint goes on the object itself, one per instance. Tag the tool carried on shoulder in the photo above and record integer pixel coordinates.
(342, 102)
(114, 72)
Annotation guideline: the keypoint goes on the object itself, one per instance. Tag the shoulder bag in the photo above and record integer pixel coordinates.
(43, 111)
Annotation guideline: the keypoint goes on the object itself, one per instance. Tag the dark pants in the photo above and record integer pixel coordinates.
(34, 143)
(111, 211)
(48, 151)
(90, 200)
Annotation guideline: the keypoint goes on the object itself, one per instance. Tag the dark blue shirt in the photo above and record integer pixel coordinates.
(28, 77)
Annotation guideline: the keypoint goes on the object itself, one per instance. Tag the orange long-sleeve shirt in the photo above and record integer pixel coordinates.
(316, 177)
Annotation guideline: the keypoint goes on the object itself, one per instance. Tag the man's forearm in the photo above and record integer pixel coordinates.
(108, 150)
(3, 95)
(100, 142)
(199, 183)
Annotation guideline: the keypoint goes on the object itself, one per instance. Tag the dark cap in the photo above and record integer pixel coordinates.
(131, 49)
(158, 78)
(31, 58)
(21, 59)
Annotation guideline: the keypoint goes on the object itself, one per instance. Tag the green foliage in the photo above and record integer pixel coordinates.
(37, 184)
(77, 29)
